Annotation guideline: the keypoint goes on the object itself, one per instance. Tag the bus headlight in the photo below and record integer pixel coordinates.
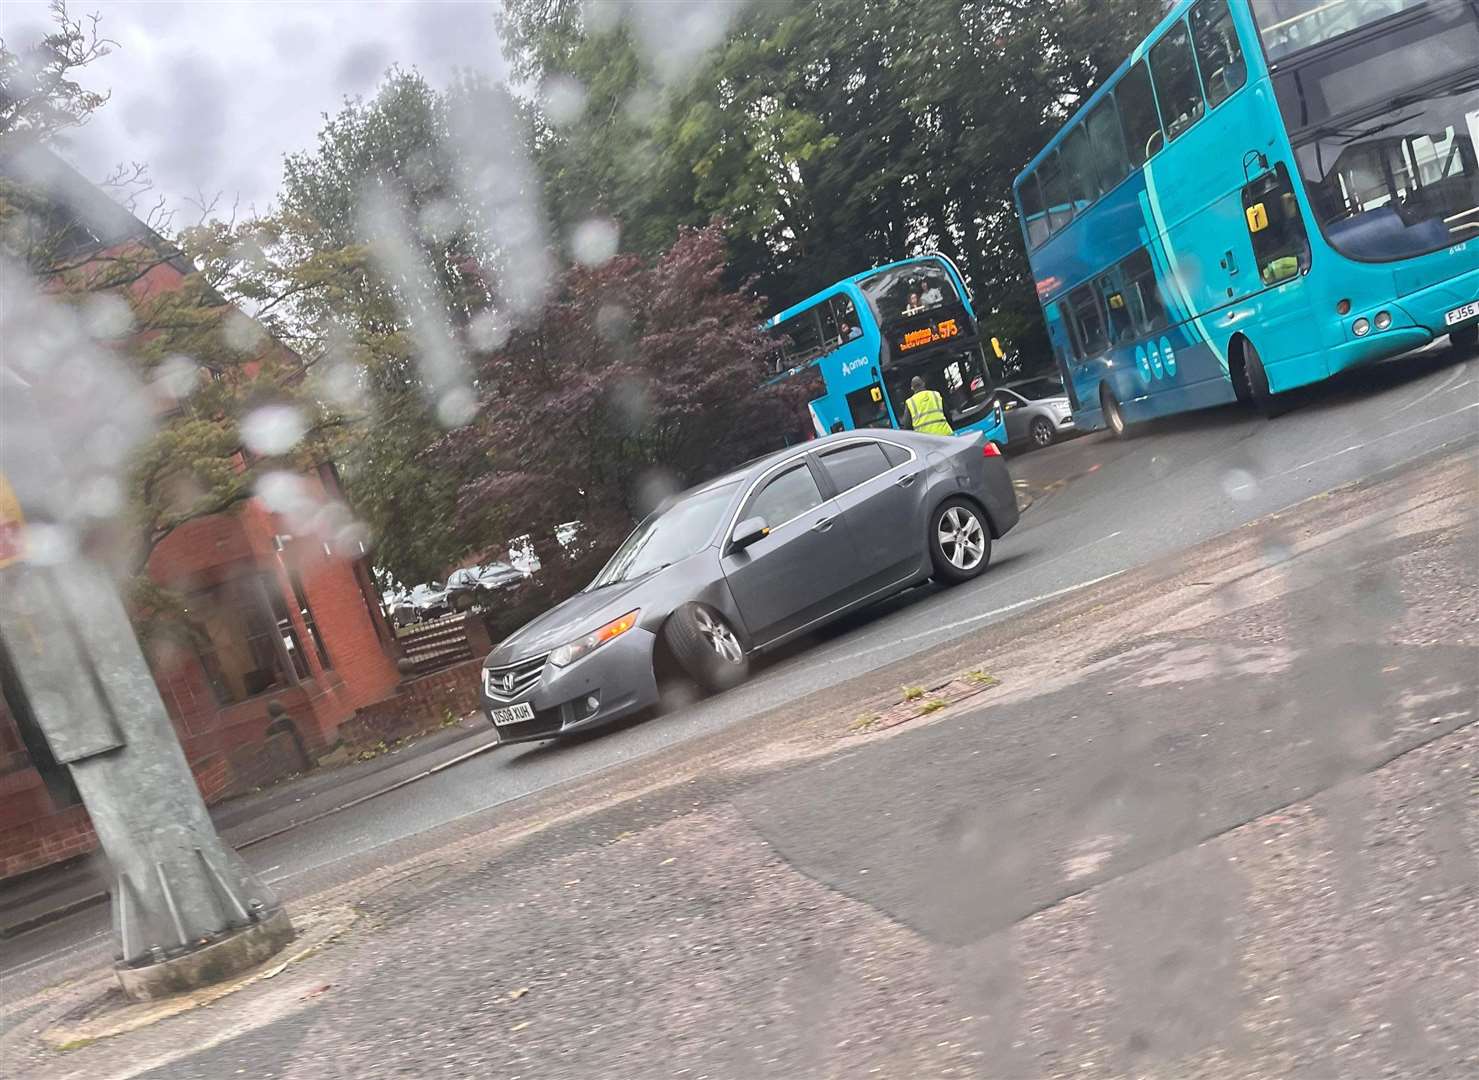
(1360, 327)
(1383, 319)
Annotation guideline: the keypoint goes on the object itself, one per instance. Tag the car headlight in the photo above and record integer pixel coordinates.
(566, 655)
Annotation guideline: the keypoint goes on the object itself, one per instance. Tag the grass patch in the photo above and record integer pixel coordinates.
(932, 705)
(981, 678)
(864, 722)
(913, 693)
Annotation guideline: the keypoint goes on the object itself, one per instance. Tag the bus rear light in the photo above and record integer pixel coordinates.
(1343, 308)
(1360, 327)
(990, 449)
(1383, 319)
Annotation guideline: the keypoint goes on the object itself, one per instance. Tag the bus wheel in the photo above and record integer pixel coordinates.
(1114, 418)
(1255, 382)
(1465, 337)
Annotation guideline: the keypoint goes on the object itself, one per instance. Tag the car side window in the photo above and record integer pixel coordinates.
(785, 495)
(851, 465)
(895, 453)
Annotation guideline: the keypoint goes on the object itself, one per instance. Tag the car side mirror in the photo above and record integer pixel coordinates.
(749, 531)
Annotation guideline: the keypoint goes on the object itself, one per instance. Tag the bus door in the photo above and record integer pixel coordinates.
(1280, 254)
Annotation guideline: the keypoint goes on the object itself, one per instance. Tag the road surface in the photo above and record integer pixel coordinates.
(1101, 507)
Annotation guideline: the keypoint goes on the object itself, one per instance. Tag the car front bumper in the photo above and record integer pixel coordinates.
(619, 675)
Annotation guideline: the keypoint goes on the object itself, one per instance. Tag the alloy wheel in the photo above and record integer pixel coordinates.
(719, 636)
(1042, 433)
(962, 538)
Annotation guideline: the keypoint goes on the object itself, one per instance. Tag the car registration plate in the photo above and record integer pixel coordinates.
(512, 714)
(1459, 314)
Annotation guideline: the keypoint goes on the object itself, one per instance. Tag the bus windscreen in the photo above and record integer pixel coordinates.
(907, 291)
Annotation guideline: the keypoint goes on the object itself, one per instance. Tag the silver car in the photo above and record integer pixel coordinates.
(747, 562)
(1037, 411)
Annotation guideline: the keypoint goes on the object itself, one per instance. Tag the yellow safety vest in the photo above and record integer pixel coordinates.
(927, 413)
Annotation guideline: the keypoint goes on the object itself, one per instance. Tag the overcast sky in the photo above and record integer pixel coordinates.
(211, 95)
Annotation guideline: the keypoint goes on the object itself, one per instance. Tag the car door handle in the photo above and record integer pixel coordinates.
(906, 479)
(822, 525)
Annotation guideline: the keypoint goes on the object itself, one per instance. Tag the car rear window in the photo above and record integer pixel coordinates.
(851, 465)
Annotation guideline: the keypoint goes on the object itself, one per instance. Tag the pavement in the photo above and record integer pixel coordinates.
(56, 892)
(1218, 817)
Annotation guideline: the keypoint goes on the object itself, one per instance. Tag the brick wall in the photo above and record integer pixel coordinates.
(263, 763)
(46, 840)
(418, 705)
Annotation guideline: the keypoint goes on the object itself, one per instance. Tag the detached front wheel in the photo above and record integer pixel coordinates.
(706, 647)
(960, 542)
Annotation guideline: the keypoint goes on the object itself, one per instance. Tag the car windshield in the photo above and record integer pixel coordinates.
(906, 291)
(672, 533)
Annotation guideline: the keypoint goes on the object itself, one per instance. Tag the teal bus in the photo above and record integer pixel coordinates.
(862, 341)
(1266, 193)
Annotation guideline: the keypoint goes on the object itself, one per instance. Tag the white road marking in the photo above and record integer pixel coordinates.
(933, 631)
(63, 951)
(1445, 385)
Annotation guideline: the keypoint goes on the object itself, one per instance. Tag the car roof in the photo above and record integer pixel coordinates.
(756, 466)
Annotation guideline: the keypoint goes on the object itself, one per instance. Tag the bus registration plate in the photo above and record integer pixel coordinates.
(1459, 314)
(513, 714)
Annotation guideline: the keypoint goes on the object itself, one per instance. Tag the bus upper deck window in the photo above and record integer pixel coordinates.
(1109, 162)
(1030, 196)
(1138, 116)
(1219, 55)
(1176, 85)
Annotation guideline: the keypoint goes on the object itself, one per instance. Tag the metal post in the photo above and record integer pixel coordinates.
(186, 910)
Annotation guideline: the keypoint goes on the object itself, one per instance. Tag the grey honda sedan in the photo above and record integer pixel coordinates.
(746, 562)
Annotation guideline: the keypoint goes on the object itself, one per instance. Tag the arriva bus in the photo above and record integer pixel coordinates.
(1266, 193)
(862, 341)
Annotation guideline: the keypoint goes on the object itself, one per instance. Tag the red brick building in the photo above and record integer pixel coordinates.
(290, 642)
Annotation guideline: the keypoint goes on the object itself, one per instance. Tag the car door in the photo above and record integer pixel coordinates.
(803, 569)
(1015, 410)
(878, 488)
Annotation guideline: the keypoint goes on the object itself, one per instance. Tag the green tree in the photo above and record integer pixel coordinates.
(833, 134)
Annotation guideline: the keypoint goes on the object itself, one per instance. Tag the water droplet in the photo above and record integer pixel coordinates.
(243, 333)
(100, 497)
(613, 322)
(564, 99)
(47, 544)
(107, 317)
(177, 376)
(273, 429)
(1239, 484)
(487, 331)
(286, 493)
(457, 407)
(594, 241)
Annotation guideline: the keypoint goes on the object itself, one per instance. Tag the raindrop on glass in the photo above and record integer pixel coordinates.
(457, 407)
(1239, 484)
(273, 429)
(594, 241)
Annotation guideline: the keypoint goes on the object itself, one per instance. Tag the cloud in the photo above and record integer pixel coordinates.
(212, 96)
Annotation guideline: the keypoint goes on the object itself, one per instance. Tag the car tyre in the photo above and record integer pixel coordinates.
(959, 541)
(1465, 338)
(706, 647)
(1255, 383)
(1114, 416)
(1042, 432)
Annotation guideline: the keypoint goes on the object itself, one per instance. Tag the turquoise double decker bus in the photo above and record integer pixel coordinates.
(862, 341)
(1266, 193)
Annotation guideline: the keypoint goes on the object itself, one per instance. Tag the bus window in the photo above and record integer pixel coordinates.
(1176, 85)
(1078, 169)
(1055, 192)
(909, 290)
(1138, 115)
(1281, 249)
(1110, 164)
(1218, 53)
(1032, 211)
(842, 319)
(1121, 322)
(804, 330)
(1085, 307)
(1142, 295)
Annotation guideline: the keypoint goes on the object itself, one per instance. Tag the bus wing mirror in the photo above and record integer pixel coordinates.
(749, 531)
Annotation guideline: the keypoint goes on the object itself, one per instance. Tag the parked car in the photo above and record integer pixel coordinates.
(475, 585)
(747, 562)
(1037, 411)
(421, 603)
